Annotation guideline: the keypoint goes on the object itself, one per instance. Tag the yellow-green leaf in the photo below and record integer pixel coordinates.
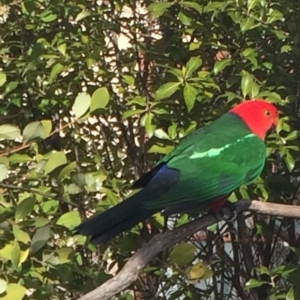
(246, 83)
(192, 65)
(3, 172)
(3, 286)
(70, 219)
(15, 254)
(9, 132)
(198, 272)
(167, 90)
(55, 160)
(130, 113)
(56, 70)
(2, 78)
(47, 124)
(100, 99)
(64, 254)
(83, 14)
(81, 104)
(158, 9)
(33, 130)
(189, 94)
(21, 235)
(14, 292)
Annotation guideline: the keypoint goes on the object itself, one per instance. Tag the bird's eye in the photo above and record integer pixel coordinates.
(268, 113)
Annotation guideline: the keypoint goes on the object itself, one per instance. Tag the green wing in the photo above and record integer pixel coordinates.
(213, 162)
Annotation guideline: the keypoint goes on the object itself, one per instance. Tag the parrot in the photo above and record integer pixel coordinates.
(201, 171)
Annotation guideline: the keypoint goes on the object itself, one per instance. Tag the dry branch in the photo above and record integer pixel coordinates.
(139, 260)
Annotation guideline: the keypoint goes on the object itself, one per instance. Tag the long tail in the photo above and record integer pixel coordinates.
(114, 221)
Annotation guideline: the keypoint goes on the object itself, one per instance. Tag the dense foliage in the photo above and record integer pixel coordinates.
(92, 93)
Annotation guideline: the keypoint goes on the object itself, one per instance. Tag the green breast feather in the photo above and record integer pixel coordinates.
(213, 162)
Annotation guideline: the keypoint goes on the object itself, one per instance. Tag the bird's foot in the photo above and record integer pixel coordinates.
(230, 215)
(229, 206)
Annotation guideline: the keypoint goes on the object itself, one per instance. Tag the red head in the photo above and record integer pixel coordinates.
(258, 114)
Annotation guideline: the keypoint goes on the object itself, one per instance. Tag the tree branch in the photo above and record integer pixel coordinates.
(35, 191)
(139, 260)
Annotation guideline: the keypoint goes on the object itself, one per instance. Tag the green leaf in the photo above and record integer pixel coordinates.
(254, 90)
(15, 255)
(149, 126)
(100, 99)
(141, 101)
(247, 24)
(195, 45)
(56, 70)
(24, 208)
(70, 219)
(3, 286)
(249, 52)
(263, 270)
(253, 283)
(220, 65)
(3, 172)
(55, 160)
(189, 94)
(130, 113)
(289, 161)
(213, 227)
(246, 83)
(160, 149)
(14, 292)
(251, 4)
(158, 9)
(172, 130)
(9, 132)
(290, 295)
(193, 5)
(129, 79)
(216, 5)
(183, 254)
(167, 90)
(67, 170)
(161, 134)
(64, 255)
(47, 124)
(286, 48)
(41, 222)
(81, 104)
(293, 135)
(83, 14)
(10, 87)
(19, 158)
(192, 65)
(4, 160)
(39, 239)
(184, 18)
(2, 78)
(33, 130)
(62, 48)
(21, 235)
(50, 17)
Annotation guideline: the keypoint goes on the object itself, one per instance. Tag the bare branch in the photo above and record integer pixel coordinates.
(139, 260)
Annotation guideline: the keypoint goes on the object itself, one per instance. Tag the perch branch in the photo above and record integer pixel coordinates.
(161, 241)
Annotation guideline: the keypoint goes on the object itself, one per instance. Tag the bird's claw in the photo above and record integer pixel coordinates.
(229, 206)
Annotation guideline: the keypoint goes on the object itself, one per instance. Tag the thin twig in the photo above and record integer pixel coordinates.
(34, 191)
